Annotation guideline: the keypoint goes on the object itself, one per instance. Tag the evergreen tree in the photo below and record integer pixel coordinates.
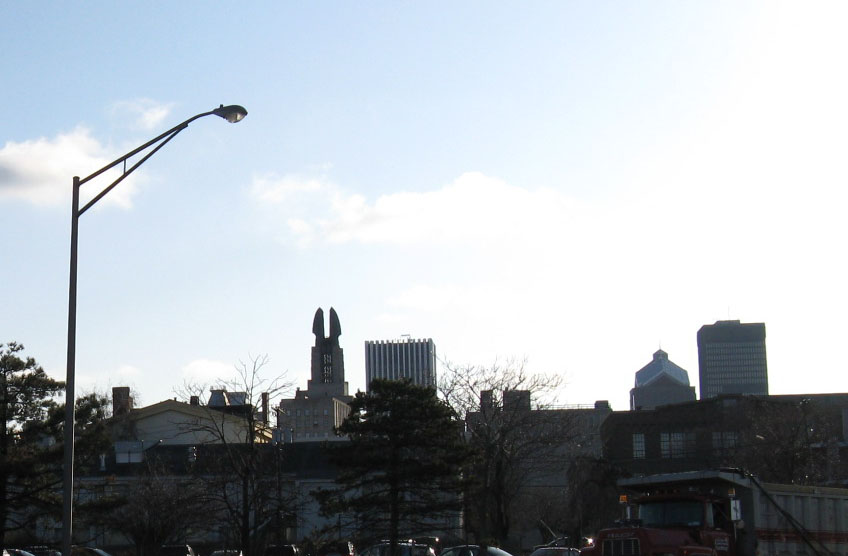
(401, 471)
(28, 457)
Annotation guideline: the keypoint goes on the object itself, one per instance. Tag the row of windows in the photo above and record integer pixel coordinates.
(313, 435)
(745, 373)
(681, 444)
(759, 381)
(303, 422)
(714, 360)
(305, 412)
(735, 346)
(736, 365)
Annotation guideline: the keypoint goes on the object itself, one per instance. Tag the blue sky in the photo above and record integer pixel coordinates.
(574, 183)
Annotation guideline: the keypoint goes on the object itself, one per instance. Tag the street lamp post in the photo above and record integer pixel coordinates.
(232, 114)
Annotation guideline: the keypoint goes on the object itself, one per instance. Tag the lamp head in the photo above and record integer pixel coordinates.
(232, 113)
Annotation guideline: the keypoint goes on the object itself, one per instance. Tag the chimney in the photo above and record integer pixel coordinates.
(487, 400)
(194, 400)
(265, 408)
(122, 402)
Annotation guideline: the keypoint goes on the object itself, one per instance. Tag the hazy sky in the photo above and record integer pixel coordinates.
(574, 183)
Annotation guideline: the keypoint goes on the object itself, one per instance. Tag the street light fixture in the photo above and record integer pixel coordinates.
(233, 114)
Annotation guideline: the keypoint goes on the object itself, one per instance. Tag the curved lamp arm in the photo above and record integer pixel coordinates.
(232, 113)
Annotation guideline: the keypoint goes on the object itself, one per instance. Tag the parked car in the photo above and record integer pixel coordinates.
(473, 550)
(339, 548)
(405, 548)
(88, 551)
(43, 550)
(16, 552)
(226, 552)
(282, 550)
(433, 542)
(555, 551)
(176, 550)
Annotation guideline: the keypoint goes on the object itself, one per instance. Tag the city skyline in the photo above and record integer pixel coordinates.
(574, 184)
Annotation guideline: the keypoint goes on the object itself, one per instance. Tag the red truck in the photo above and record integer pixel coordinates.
(725, 513)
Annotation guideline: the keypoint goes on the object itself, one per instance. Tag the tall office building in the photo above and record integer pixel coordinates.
(732, 358)
(398, 359)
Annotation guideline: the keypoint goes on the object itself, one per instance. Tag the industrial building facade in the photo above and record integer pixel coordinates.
(399, 359)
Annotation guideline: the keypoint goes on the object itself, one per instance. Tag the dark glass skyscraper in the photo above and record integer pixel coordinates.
(732, 358)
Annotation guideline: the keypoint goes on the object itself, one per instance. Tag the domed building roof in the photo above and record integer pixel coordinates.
(659, 367)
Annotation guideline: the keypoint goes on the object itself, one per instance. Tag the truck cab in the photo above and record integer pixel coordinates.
(670, 524)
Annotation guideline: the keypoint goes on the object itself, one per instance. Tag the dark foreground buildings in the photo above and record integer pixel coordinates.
(799, 439)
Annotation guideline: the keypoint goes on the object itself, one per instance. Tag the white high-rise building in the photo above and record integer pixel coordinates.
(399, 359)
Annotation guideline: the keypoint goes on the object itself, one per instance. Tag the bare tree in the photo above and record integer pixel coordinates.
(239, 463)
(517, 440)
(798, 437)
(591, 500)
(157, 508)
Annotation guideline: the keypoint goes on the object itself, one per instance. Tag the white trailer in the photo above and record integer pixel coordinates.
(766, 519)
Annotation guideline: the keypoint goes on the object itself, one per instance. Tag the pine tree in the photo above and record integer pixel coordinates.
(401, 471)
(27, 457)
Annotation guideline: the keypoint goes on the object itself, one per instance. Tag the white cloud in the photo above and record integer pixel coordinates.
(275, 189)
(145, 114)
(40, 171)
(127, 371)
(473, 207)
(206, 371)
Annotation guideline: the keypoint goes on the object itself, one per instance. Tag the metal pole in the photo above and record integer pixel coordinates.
(232, 114)
(70, 399)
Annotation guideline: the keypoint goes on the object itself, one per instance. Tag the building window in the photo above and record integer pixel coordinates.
(676, 445)
(724, 440)
(327, 369)
(638, 445)
(129, 452)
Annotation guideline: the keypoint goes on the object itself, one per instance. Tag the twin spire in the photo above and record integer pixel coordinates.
(318, 326)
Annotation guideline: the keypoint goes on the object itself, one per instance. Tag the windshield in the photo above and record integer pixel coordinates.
(667, 514)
